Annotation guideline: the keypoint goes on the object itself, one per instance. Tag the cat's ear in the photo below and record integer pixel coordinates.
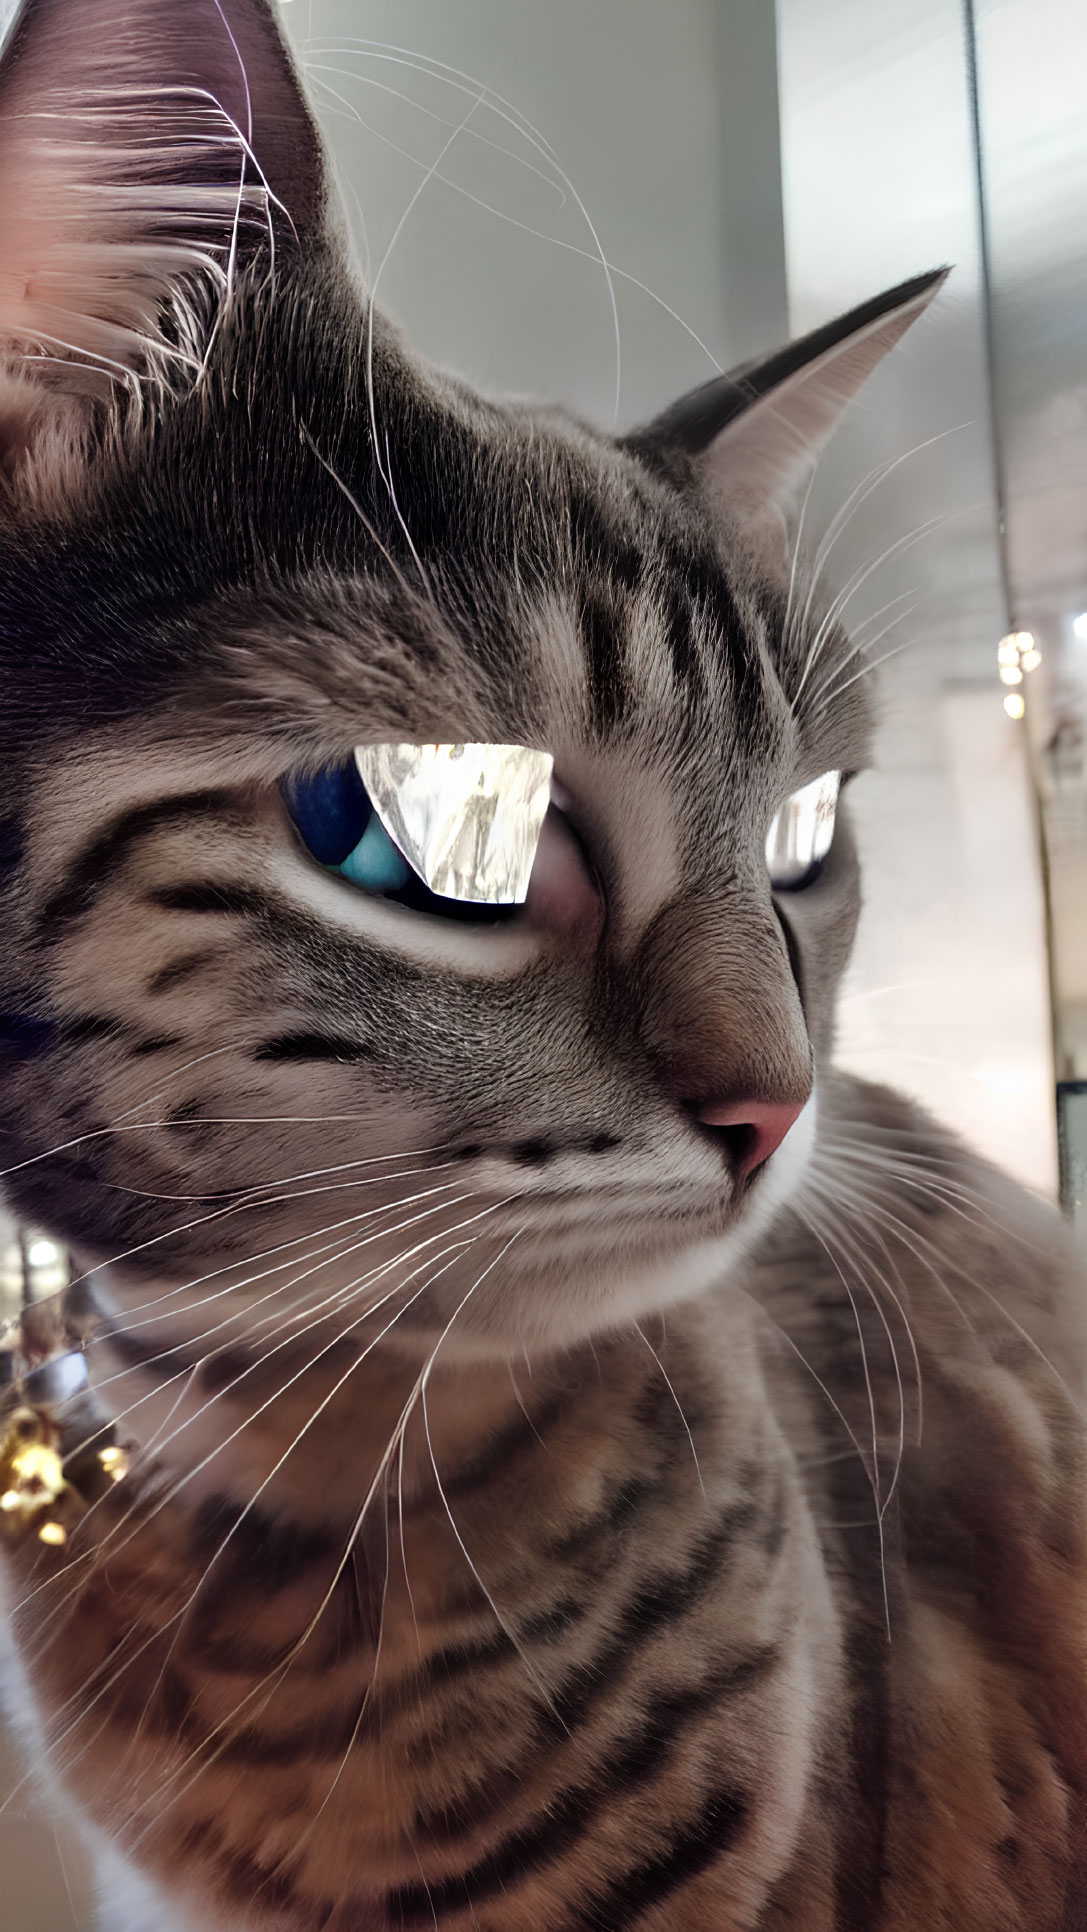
(747, 440)
(147, 147)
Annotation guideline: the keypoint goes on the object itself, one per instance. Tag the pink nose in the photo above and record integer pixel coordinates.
(754, 1129)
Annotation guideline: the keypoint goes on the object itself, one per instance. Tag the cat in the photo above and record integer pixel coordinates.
(559, 1454)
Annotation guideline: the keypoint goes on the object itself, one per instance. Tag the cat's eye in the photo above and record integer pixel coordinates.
(449, 829)
(802, 833)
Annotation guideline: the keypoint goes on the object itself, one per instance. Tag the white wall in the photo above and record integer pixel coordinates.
(948, 993)
(662, 117)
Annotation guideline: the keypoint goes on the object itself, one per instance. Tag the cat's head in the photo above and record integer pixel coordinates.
(243, 530)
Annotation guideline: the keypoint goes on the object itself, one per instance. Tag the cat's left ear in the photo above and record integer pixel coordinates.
(747, 441)
(150, 152)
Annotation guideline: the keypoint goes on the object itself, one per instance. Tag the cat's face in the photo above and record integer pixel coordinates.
(246, 1061)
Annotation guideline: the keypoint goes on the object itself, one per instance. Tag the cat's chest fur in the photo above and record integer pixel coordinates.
(589, 1626)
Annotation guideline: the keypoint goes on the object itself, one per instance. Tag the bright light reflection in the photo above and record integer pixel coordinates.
(1010, 674)
(802, 830)
(43, 1254)
(1014, 705)
(466, 817)
(1079, 626)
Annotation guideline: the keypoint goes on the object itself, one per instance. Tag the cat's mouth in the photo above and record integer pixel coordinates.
(589, 1225)
(668, 1214)
(617, 1220)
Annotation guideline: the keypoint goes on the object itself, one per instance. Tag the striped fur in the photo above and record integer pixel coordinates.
(533, 1525)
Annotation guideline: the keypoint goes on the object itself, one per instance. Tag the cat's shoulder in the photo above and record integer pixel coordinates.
(977, 1250)
(915, 1292)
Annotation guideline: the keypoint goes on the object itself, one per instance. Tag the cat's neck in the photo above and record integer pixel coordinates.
(313, 1426)
(543, 1533)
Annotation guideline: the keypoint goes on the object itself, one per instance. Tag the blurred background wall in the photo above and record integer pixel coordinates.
(747, 170)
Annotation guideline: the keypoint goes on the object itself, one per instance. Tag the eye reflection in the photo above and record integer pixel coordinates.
(802, 833)
(466, 817)
(451, 830)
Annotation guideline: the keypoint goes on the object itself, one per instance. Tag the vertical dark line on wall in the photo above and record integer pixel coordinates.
(970, 37)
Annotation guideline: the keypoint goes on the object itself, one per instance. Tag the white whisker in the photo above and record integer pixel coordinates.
(638, 1330)
(359, 511)
(161, 1501)
(372, 299)
(317, 68)
(199, 1757)
(874, 1474)
(541, 234)
(502, 1624)
(485, 96)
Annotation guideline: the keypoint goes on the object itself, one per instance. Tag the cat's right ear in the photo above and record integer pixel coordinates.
(746, 442)
(150, 152)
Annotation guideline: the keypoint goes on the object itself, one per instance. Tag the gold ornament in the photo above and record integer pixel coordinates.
(32, 1483)
(35, 1493)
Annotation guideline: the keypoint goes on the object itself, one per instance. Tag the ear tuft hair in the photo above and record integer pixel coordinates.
(150, 151)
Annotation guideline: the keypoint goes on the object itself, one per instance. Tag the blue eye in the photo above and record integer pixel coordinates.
(333, 816)
(331, 811)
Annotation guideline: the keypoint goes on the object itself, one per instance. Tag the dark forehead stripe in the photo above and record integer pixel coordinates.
(694, 588)
(604, 636)
(612, 567)
(691, 597)
(702, 593)
(598, 545)
(11, 846)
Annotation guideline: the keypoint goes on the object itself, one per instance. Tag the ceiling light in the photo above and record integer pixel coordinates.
(1014, 705)
(1010, 674)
